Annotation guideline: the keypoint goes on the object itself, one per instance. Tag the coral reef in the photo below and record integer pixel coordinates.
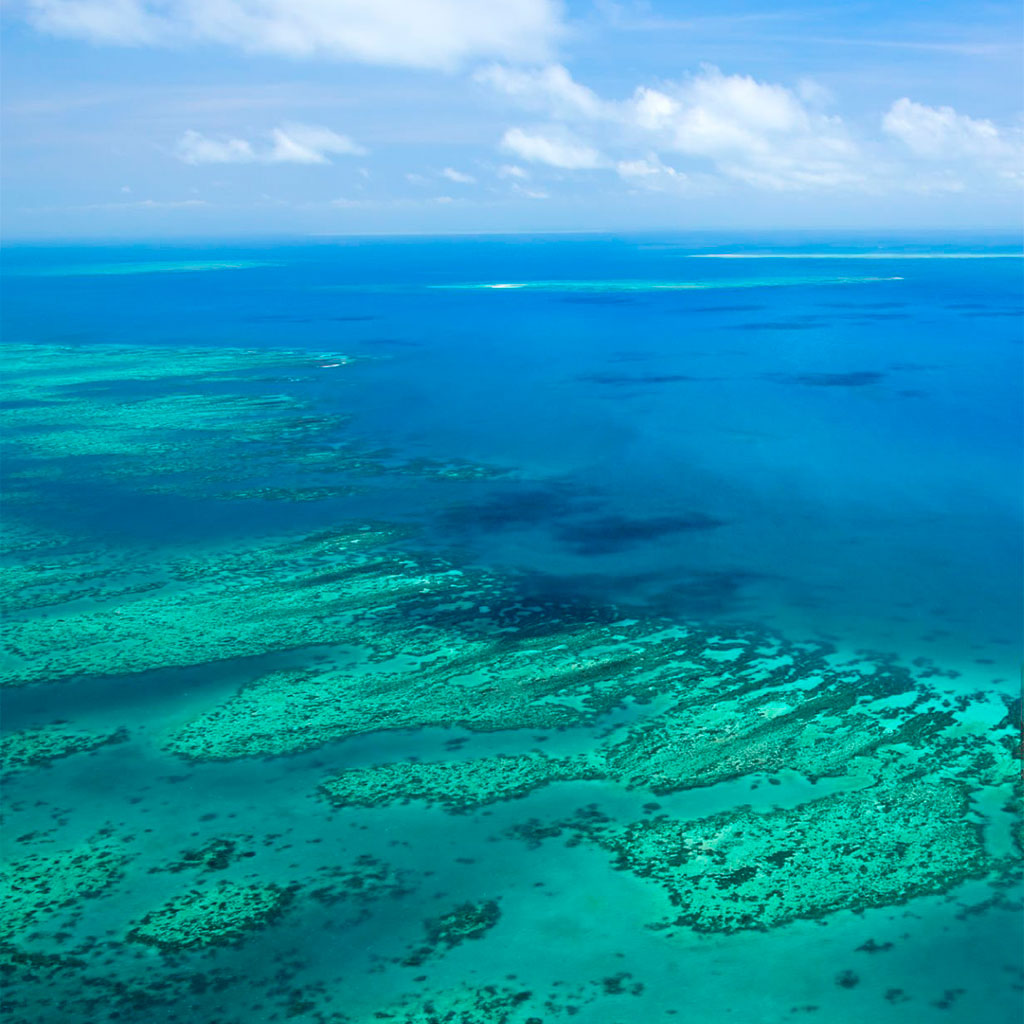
(495, 1004)
(457, 786)
(366, 880)
(467, 921)
(38, 887)
(225, 913)
(30, 748)
(742, 870)
(287, 629)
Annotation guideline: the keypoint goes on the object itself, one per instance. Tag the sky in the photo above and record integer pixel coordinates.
(230, 118)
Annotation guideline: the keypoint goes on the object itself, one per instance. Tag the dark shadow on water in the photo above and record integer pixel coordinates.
(520, 509)
(597, 300)
(610, 534)
(995, 313)
(856, 379)
(631, 357)
(710, 593)
(852, 379)
(726, 309)
(777, 325)
(864, 305)
(704, 596)
(871, 317)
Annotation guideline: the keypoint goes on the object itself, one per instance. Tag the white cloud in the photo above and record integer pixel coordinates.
(457, 176)
(512, 171)
(653, 110)
(636, 168)
(146, 204)
(290, 143)
(195, 148)
(965, 147)
(759, 133)
(553, 148)
(310, 144)
(940, 132)
(716, 127)
(651, 174)
(412, 33)
(755, 132)
(550, 89)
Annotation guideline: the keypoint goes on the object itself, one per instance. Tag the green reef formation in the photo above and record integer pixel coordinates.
(215, 854)
(41, 887)
(742, 869)
(31, 748)
(457, 786)
(289, 638)
(505, 1004)
(369, 878)
(216, 916)
(496, 1004)
(464, 923)
(470, 674)
(215, 423)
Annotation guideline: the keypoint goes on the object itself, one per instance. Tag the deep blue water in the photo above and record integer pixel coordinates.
(831, 446)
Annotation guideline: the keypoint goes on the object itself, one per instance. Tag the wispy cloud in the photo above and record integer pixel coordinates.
(940, 132)
(557, 149)
(128, 206)
(458, 176)
(196, 148)
(551, 89)
(290, 143)
(960, 47)
(397, 202)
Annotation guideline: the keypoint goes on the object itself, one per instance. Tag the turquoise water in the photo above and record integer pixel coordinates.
(519, 629)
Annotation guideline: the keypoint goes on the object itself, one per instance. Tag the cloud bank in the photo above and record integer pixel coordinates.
(712, 128)
(441, 34)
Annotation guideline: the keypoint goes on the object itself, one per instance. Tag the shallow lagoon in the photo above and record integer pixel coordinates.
(708, 595)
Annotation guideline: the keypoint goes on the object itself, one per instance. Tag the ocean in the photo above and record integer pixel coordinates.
(514, 629)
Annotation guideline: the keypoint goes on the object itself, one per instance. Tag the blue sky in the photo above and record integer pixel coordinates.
(149, 118)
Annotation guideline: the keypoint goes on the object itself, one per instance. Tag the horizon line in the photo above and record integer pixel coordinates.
(1016, 233)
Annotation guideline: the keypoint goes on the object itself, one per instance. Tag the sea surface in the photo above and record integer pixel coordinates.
(516, 629)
